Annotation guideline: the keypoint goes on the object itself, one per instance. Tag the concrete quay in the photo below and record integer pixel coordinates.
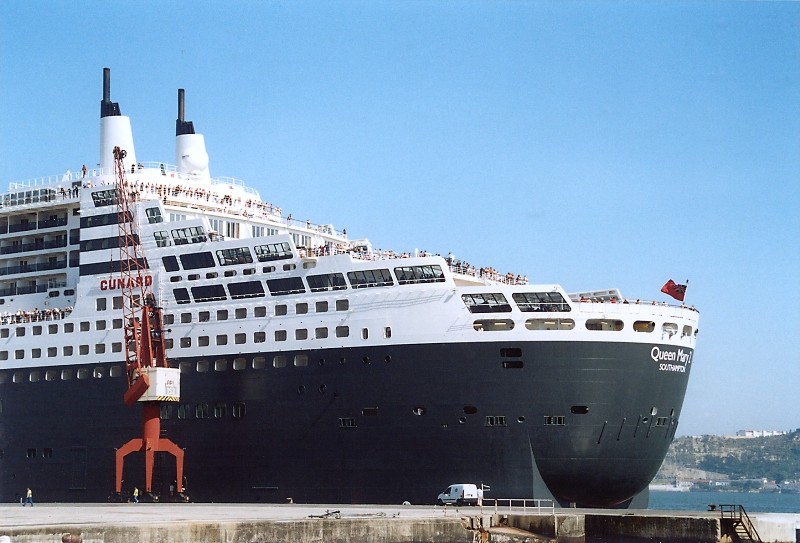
(295, 523)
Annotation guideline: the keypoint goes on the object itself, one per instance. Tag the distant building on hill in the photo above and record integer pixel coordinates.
(759, 433)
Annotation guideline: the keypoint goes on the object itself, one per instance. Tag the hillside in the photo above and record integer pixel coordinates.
(762, 463)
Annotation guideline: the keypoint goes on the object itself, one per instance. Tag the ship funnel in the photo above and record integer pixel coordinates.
(115, 129)
(191, 157)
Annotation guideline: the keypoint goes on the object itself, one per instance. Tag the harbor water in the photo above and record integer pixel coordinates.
(753, 502)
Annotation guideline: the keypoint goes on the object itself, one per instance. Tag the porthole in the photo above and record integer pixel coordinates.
(462, 420)
(520, 419)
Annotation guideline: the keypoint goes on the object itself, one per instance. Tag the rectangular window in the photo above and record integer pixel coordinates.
(370, 278)
(153, 215)
(193, 234)
(540, 301)
(327, 281)
(105, 197)
(249, 289)
(162, 239)
(181, 296)
(194, 261)
(486, 303)
(209, 293)
(408, 275)
(230, 257)
(170, 263)
(273, 251)
(280, 335)
(342, 305)
(287, 285)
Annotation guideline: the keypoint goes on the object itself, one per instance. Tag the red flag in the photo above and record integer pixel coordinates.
(674, 289)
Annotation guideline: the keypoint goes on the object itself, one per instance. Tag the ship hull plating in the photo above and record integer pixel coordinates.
(587, 423)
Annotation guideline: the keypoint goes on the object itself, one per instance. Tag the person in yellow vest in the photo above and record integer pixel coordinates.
(28, 497)
(135, 494)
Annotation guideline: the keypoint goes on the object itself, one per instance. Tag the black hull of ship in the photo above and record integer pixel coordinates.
(380, 424)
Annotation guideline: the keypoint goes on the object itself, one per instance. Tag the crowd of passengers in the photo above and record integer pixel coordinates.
(615, 300)
(36, 315)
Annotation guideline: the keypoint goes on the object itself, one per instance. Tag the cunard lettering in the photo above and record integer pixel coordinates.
(120, 283)
(681, 357)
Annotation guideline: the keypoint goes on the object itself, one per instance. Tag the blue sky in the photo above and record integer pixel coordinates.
(590, 144)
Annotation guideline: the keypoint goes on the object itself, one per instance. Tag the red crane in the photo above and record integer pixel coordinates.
(150, 380)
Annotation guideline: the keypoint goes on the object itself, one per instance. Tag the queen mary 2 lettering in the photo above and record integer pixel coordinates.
(312, 367)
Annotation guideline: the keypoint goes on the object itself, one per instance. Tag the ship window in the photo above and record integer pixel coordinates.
(347, 422)
(19, 354)
(83, 373)
(301, 333)
(222, 339)
(168, 343)
(84, 326)
(495, 420)
(52, 352)
(365, 333)
(687, 331)
(19, 377)
(170, 263)
(153, 215)
(220, 410)
(540, 301)
(116, 347)
(644, 326)
(99, 348)
(513, 364)
(662, 421)
(238, 410)
(98, 373)
(321, 333)
(162, 240)
(203, 341)
(186, 318)
(222, 314)
(201, 411)
(100, 325)
(52, 328)
(259, 337)
(280, 335)
(370, 278)
(36, 353)
(37, 330)
(83, 349)
(192, 234)
(3, 332)
(604, 325)
(549, 324)
(241, 313)
(240, 339)
(239, 363)
(51, 375)
(259, 363)
(185, 342)
(169, 318)
(194, 261)
(20, 331)
(202, 366)
(221, 364)
(669, 329)
(554, 420)
(281, 310)
(209, 293)
(286, 285)
(301, 308)
(409, 275)
(259, 311)
(342, 305)
(100, 304)
(301, 360)
(230, 257)
(279, 361)
(579, 409)
(66, 375)
(116, 302)
(273, 251)
(114, 371)
(190, 277)
(185, 367)
(327, 281)
(3, 355)
(470, 409)
(387, 332)
(342, 331)
(166, 411)
(268, 269)
(493, 325)
(249, 289)
(486, 303)
(203, 316)
(105, 197)
(184, 410)
(321, 307)
(67, 350)
(181, 295)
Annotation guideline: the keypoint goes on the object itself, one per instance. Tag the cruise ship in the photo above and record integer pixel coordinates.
(313, 368)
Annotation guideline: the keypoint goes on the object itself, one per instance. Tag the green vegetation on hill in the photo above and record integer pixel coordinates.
(743, 463)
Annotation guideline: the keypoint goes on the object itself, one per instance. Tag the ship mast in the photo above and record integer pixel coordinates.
(150, 380)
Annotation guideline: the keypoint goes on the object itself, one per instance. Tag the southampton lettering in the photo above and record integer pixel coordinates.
(680, 358)
(120, 283)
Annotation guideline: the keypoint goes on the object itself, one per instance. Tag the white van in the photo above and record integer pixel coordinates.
(460, 494)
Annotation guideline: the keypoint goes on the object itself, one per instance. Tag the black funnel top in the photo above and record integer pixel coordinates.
(107, 107)
(182, 127)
